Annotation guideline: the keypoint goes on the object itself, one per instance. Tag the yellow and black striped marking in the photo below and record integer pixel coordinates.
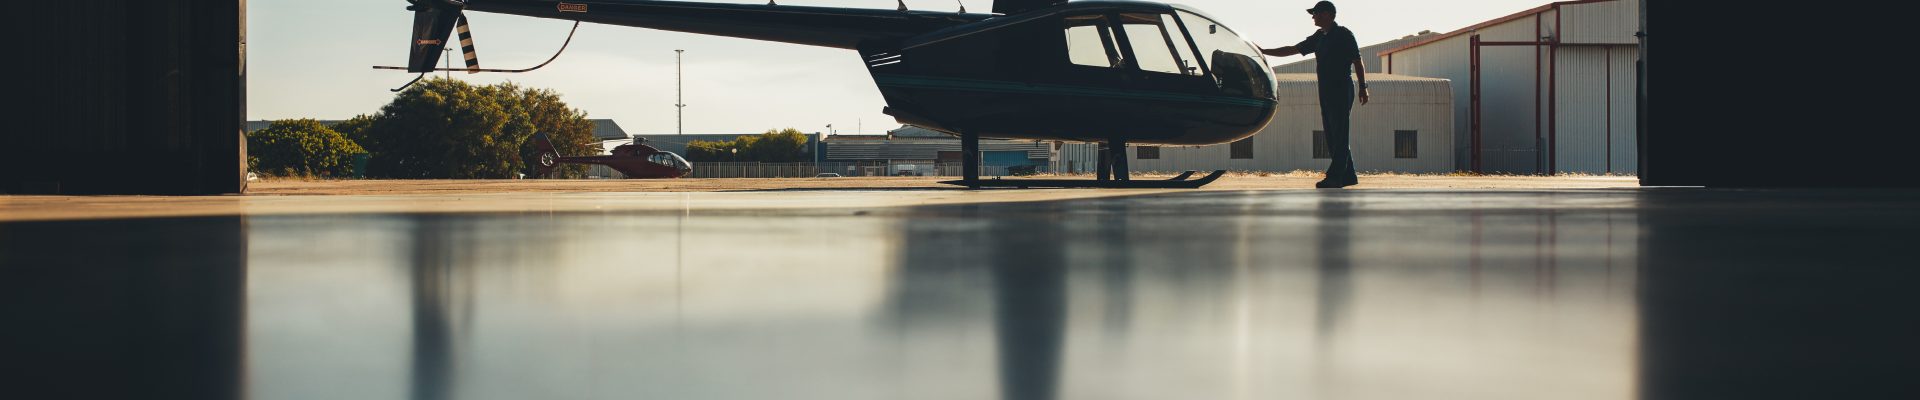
(466, 47)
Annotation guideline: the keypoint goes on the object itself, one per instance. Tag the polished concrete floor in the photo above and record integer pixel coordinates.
(1575, 294)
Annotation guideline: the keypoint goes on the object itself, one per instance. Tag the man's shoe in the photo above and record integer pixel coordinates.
(1331, 183)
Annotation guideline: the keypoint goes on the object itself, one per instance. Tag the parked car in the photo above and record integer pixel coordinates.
(827, 175)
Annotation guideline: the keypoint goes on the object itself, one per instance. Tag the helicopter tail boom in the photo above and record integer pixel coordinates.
(433, 22)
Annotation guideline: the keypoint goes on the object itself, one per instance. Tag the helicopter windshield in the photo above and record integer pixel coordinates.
(1235, 63)
(1212, 36)
(674, 160)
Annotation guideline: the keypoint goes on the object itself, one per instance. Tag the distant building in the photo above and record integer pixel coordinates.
(1406, 127)
(1370, 54)
(606, 129)
(1555, 87)
(933, 153)
(677, 144)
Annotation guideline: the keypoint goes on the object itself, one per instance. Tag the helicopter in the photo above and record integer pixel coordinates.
(636, 160)
(1111, 72)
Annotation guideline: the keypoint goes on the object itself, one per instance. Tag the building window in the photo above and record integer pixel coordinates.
(1242, 149)
(1320, 145)
(1147, 152)
(1406, 144)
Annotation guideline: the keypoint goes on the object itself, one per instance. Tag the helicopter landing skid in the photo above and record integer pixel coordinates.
(1178, 182)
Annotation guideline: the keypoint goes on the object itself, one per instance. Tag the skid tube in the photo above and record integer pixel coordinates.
(1178, 182)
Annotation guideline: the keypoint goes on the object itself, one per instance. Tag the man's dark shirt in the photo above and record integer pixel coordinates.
(1337, 50)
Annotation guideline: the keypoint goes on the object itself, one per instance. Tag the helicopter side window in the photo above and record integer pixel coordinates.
(1090, 41)
(1157, 46)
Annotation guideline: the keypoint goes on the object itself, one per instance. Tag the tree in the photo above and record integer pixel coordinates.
(354, 128)
(448, 129)
(300, 147)
(776, 145)
(540, 110)
(779, 146)
(705, 151)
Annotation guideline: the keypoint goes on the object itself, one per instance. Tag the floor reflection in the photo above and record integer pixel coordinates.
(150, 308)
(438, 290)
(1338, 295)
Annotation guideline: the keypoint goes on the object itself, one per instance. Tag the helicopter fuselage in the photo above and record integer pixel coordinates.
(1091, 71)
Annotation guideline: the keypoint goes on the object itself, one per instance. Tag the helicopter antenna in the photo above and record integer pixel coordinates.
(963, 6)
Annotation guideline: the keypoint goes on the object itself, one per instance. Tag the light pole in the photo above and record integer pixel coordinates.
(679, 94)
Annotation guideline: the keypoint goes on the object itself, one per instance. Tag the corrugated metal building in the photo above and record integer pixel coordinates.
(1406, 127)
(1554, 87)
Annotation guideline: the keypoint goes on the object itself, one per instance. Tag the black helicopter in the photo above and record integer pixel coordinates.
(1109, 72)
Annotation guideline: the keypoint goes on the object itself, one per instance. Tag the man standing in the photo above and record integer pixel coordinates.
(1337, 52)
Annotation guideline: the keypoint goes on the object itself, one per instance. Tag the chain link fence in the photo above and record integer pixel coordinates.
(809, 170)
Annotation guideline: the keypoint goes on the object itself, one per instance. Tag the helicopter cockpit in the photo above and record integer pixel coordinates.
(670, 160)
(1159, 43)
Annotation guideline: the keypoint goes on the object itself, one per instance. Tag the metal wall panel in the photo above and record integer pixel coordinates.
(1605, 22)
(1595, 109)
(1446, 59)
(1580, 130)
(1625, 158)
(128, 97)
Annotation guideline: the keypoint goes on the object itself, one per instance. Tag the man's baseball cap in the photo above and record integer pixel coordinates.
(1323, 5)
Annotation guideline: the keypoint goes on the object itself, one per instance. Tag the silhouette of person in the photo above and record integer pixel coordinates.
(1337, 50)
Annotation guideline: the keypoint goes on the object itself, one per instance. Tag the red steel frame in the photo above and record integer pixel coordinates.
(1552, 47)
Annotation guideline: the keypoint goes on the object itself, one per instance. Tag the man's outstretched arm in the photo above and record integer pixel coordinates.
(1281, 52)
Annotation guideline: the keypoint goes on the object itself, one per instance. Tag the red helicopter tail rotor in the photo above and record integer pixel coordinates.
(548, 158)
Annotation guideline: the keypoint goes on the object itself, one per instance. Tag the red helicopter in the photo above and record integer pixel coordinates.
(637, 160)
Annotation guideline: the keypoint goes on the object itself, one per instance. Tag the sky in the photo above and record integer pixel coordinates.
(313, 59)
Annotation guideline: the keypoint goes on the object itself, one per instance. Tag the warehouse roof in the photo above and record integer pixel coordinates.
(1496, 21)
(606, 129)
